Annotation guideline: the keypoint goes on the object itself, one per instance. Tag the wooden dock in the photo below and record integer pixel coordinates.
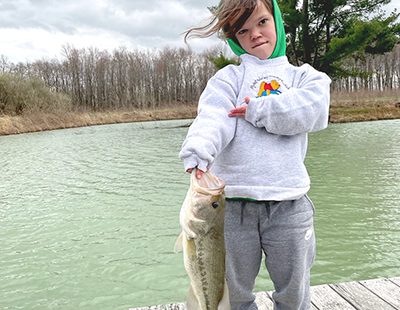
(377, 294)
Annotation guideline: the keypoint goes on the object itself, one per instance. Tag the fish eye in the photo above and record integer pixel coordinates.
(215, 204)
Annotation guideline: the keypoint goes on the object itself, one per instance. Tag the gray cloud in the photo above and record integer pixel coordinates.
(138, 23)
(135, 23)
(131, 18)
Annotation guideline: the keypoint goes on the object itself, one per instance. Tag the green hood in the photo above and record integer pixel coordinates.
(280, 47)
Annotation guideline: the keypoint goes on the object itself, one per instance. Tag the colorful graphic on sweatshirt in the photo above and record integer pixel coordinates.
(267, 89)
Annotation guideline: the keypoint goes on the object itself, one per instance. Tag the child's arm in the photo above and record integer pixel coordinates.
(212, 129)
(303, 108)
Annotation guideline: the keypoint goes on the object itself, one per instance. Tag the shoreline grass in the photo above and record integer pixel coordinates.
(35, 122)
(345, 107)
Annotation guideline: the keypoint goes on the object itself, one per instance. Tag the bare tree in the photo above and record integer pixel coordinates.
(123, 79)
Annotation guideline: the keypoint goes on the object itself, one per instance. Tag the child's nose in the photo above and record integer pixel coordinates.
(254, 33)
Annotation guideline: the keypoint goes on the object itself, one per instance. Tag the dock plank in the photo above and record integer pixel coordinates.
(360, 297)
(271, 306)
(176, 306)
(264, 301)
(375, 294)
(323, 297)
(385, 289)
(395, 280)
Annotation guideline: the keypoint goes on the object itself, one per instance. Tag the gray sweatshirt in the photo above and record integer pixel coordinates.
(260, 156)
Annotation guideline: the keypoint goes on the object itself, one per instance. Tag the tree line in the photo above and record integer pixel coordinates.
(326, 34)
(371, 73)
(97, 80)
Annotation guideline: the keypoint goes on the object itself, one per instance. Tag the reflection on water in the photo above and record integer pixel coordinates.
(89, 216)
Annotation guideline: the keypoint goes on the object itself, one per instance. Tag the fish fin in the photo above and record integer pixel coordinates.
(190, 247)
(224, 304)
(190, 234)
(178, 243)
(192, 303)
(189, 223)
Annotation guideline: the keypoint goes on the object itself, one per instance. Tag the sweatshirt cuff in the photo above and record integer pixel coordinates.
(251, 113)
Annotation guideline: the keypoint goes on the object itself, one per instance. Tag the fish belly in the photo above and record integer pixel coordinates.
(205, 266)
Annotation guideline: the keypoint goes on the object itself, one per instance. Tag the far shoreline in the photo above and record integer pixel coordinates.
(36, 122)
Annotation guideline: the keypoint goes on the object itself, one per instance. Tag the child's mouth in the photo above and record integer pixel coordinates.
(259, 44)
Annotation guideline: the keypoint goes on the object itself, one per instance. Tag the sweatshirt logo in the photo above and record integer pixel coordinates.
(267, 89)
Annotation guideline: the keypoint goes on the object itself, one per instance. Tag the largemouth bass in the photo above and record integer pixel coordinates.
(202, 242)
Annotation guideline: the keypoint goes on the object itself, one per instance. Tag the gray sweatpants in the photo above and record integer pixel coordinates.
(284, 231)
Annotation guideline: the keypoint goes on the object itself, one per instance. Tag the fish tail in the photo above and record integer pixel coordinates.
(192, 303)
(224, 304)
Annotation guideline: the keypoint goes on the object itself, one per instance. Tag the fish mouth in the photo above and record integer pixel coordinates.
(208, 185)
(213, 191)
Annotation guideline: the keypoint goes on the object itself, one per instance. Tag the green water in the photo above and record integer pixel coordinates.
(89, 216)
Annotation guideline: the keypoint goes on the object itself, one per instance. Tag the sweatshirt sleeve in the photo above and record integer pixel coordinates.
(212, 129)
(302, 108)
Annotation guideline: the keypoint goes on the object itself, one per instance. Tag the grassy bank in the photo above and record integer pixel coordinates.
(344, 108)
(364, 106)
(60, 120)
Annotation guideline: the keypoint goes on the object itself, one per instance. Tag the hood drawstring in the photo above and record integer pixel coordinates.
(242, 205)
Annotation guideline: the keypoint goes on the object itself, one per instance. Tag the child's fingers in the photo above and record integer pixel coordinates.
(199, 173)
(240, 111)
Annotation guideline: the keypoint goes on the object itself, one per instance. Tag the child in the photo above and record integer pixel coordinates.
(251, 131)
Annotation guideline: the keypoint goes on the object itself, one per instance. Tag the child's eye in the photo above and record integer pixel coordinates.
(263, 21)
(241, 32)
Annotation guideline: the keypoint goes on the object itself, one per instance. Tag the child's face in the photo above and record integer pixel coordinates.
(258, 36)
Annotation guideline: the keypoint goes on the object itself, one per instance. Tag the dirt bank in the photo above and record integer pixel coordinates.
(50, 121)
(344, 110)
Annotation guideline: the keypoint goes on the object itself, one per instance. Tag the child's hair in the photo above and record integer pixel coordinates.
(228, 18)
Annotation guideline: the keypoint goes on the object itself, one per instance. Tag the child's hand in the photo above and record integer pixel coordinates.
(240, 111)
(199, 173)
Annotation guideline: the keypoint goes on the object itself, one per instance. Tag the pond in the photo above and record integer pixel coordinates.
(89, 216)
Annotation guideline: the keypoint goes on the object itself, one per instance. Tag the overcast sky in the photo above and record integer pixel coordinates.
(35, 29)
